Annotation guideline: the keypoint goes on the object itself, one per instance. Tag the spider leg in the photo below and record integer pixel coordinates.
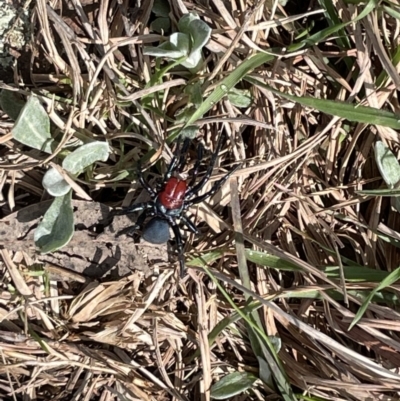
(146, 209)
(132, 209)
(207, 176)
(139, 222)
(183, 153)
(195, 171)
(171, 168)
(190, 225)
(177, 162)
(172, 165)
(143, 182)
(217, 185)
(179, 245)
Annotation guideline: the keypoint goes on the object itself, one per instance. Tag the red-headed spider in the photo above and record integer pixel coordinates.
(169, 204)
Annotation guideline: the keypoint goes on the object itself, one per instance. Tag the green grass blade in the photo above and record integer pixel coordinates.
(273, 360)
(351, 112)
(379, 192)
(325, 33)
(354, 273)
(232, 384)
(333, 19)
(388, 281)
(228, 83)
(206, 258)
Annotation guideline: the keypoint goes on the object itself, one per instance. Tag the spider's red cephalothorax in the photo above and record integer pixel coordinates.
(168, 205)
(173, 194)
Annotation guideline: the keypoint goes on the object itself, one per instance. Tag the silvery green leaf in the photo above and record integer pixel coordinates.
(11, 103)
(192, 36)
(232, 384)
(193, 60)
(85, 156)
(240, 97)
(54, 183)
(190, 131)
(57, 227)
(388, 165)
(195, 93)
(276, 343)
(265, 371)
(161, 8)
(200, 33)
(32, 127)
(185, 21)
(163, 52)
(180, 41)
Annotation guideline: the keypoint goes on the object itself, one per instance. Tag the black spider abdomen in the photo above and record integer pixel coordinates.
(156, 231)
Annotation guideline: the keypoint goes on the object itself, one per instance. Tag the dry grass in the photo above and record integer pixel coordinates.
(64, 336)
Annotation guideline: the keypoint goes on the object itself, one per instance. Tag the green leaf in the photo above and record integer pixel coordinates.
(190, 132)
(161, 25)
(85, 156)
(193, 61)
(192, 36)
(232, 384)
(264, 370)
(200, 33)
(54, 183)
(240, 97)
(276, 342)
(11, 103)
(195, 93)
(57, 227)
(32, 127)
(388, 164)
(161, 8)
(388, 281)
(185, 21)
(351, 112)
(181, 42)
(163, 50)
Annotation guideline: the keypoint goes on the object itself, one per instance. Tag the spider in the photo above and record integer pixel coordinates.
(169, 203)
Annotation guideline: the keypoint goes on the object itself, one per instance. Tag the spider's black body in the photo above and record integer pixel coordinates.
(156, 231)
(169, 204)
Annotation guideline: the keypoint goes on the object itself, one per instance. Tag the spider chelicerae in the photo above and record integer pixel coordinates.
(169, 203)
